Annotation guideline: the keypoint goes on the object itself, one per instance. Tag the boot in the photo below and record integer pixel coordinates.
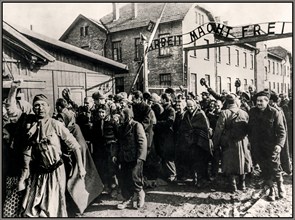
(232, 184)
(271, 195)
(281, 189)
(242, 185)
(141, 199)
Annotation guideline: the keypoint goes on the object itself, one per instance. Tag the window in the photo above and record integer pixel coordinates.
(278, 84)
(117, 51)
(218, 84)
(84, 31)
(274, 85)
(245, 60)
(287, 71)
(269, 66)
(165, 79)
(245, 84)
(164, 51)
(252, 82)
(218, 54)
(238, 57)
(207, 78)
(252, 61)
(281, 69)
(194, 83)
(265, 70)
(278, 69)
(196, 17)
(228, 58)
(119, 82)
(137, 48)
(285, 88)
(269, 85)
(273, 67)
(195, 51)
(202, 19)
(228, 84)
(207, 50)
(282, 87)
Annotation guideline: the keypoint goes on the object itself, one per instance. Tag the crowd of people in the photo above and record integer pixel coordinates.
(136, 138)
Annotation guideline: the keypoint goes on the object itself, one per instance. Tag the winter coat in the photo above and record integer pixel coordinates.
(236, 156)
(164, 135)
(285, 156)
(132, 142)
(144, 115)
(266, 130)
(194, 132)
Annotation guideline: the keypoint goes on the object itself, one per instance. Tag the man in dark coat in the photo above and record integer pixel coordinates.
(267, 136)
(144, 115)
(285, 157)
(131, 154)
(164, 140)
(83, 118)
(196, 148)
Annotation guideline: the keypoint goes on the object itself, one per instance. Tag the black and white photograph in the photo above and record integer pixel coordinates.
(147, 109)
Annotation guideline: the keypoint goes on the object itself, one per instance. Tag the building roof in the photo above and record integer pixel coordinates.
(279, 51)
(148, 12)
(93, 21)
(32, 47)
(73, 49)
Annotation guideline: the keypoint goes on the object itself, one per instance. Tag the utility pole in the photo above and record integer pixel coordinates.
(144, 64)
(145, 67)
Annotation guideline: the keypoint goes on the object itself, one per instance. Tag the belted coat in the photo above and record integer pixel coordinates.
(236, 156)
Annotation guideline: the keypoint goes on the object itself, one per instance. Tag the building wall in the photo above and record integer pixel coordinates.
(241, 66)
(278, 79)
(199, 64)
(94, 41)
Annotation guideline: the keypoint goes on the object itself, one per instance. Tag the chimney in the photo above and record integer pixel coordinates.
(31, 27)
(134, 10)
(217, 19)
(225, 22)
(115, 11)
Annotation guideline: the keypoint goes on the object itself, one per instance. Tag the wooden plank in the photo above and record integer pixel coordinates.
(27, 84)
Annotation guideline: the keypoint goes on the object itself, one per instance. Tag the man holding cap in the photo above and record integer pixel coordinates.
(267, 136)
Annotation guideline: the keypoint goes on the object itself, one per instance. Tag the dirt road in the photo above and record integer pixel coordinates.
(185, 200)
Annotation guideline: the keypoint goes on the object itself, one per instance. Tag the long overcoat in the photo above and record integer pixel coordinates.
(236, 156)
(164, 135)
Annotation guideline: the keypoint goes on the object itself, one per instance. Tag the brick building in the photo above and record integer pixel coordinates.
(117, 36)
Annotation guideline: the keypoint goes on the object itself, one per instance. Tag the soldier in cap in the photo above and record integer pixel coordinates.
(267, 136)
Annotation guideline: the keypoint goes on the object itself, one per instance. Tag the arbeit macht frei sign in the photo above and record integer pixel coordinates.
(225, 31)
